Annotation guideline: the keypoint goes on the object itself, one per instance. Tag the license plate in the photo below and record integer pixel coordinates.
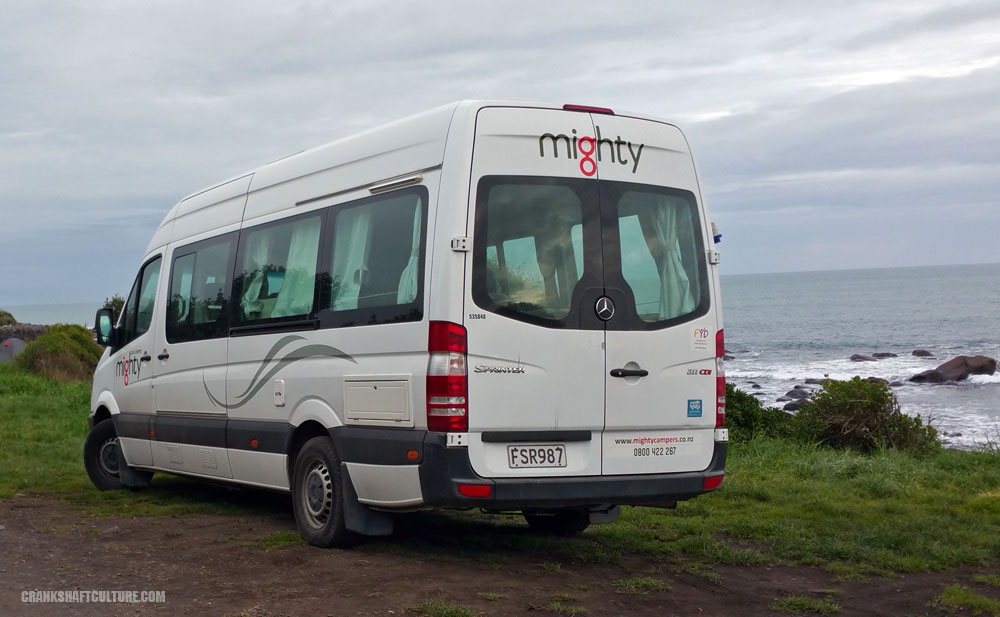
(536, 455)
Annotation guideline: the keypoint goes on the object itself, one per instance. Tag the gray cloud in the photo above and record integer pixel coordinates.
(846, 134)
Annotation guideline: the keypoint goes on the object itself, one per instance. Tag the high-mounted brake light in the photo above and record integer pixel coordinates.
(447, 378)
(720, 380)
(589, 109)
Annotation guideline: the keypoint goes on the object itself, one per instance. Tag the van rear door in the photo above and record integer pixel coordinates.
(536, 349)
(664, 327)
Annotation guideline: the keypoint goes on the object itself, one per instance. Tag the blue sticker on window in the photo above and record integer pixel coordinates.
(694, 408)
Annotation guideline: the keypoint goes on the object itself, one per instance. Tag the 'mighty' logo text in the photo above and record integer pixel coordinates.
(129, 366)
(584, 148)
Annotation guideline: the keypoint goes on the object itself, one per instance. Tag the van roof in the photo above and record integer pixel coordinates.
(398, 147)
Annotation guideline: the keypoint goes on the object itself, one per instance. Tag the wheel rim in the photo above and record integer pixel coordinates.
(317, 494)
(107, 457)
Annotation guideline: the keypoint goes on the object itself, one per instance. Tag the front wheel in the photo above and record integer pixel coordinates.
(101, 457)
(318, 496)
(562, 523)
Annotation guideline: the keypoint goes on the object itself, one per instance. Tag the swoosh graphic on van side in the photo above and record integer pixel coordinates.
(258, 381)
(281, 344)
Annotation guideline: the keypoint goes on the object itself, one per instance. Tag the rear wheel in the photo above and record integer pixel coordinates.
(101, 457)
(318, 496)
(562, 523)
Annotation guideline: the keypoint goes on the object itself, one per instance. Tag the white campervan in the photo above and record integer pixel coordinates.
(506, 306)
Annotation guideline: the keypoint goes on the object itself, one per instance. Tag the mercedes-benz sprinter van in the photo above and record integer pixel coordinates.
(497, 305)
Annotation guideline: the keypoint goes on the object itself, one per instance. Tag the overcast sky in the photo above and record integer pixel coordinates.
(829, 135)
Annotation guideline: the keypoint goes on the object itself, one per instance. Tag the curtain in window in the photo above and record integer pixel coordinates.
(350, 254)
(661, 226)
(299, 284)
(408, 280)
(258, 249)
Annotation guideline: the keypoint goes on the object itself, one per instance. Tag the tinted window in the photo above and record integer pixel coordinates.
(530, 247)
(138, 313)
(547, 248)
(276, 274)
(199, 291)
(660, 249)
(376, 260)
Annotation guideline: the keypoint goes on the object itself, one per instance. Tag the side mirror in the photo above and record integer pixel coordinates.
(103, 327)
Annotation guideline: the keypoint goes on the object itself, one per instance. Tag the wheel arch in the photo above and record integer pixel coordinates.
(302, 433)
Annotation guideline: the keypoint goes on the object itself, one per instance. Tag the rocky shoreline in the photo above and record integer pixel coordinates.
(959, 368)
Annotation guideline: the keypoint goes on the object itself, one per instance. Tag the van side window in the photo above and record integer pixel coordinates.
(199, 291)
(376, 261)
(276, 271)
(138, 312)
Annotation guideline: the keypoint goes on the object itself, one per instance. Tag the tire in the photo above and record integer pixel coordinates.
(318, 496)
(101, 456)
(562, 523)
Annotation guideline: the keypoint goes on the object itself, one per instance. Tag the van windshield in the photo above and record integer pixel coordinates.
(541, 242)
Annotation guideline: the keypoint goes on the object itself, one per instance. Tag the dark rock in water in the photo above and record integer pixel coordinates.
(922, 353)
(797, 394)
(875, 380)
(782, 399)
(812, 381)
(800, 387)
(755, 386)
(931, 376)
(895, 384)
(793, 406)
(727, 357)
(958, 369)
(10, 348)
(883, 354)
(860, 358)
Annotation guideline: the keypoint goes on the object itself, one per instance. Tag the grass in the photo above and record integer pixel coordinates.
(439, 608)
(993, 580)
(559, 605)
(782, 502)
(279, 539)
(958, 597)
(491, 596)
(639, 585)
(804, 605)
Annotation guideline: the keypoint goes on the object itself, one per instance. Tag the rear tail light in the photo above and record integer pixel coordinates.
(720, 380)
(712, 482)
(447, 378)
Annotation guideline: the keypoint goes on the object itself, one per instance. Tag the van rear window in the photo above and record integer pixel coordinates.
(546, 248)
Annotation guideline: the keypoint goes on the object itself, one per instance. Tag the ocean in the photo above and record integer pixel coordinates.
(81, 313)
(784, 328)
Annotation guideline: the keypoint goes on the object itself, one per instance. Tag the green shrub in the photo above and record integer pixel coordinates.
(6, 319)
(65, 352)
(116, 303)
(746, 418)
(863, 416)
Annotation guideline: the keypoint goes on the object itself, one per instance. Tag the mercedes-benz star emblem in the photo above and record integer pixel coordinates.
(605, 308)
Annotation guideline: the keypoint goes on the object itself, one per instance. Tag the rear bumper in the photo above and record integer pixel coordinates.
(442, 469)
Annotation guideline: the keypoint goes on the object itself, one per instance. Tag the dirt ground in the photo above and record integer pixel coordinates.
(214, 565)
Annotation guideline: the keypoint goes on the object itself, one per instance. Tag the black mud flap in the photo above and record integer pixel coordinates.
(132, 478)
(358, 517)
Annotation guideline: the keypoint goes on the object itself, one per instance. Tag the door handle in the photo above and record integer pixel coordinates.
(163, 356)
(629, 372)
(145, 358)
